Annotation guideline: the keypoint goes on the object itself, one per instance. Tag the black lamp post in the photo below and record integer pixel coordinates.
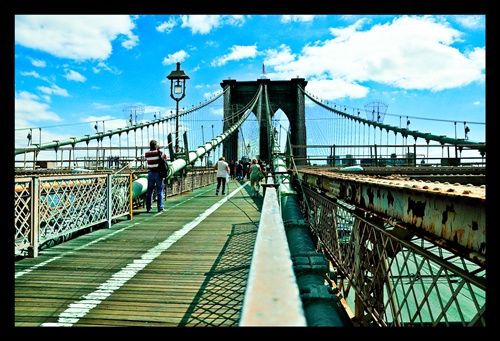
(177, 92)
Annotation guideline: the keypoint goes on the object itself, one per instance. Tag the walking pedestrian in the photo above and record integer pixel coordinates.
(232, 167)
(154, 178)
(222, 169)
(253, 172)
(239, 170)
(247, 168)
(265, 169)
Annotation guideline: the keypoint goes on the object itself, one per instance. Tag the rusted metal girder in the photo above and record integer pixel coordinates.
(450, 215)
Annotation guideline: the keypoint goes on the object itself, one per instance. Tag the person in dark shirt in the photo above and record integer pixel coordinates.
(231, 170)
(239, 170)
(247, 168)
(154, 178)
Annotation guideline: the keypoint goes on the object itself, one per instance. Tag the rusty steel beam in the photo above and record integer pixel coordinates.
(454, 215)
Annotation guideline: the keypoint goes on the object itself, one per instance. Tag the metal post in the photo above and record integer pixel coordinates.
(177, 126)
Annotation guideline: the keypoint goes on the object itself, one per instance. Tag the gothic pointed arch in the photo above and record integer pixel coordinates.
(284, 95)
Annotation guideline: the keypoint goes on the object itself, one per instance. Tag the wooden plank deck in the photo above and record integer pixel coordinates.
(186, 266)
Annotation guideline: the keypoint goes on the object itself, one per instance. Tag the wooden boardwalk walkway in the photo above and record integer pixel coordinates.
(185, 266)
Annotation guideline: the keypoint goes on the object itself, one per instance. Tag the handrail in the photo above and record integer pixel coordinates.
(272, 297)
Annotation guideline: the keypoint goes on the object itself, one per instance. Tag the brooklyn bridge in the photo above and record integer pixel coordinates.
(362, 221)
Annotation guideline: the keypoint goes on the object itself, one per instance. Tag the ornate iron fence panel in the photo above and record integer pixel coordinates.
(53, 208)
(121, 196)
(50, 209)
(68, 204)
(22, 213)
(391, 276)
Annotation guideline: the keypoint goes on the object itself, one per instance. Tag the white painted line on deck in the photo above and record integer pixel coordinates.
(34, 267)
(79, 309)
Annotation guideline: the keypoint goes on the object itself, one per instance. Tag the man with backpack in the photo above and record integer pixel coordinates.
(154, 178)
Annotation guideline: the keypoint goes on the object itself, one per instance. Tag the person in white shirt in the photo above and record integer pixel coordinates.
(222, 169)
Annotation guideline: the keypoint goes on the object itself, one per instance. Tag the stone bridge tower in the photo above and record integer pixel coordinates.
(284, 95)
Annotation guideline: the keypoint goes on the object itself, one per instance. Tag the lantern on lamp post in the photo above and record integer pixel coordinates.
(177, 92)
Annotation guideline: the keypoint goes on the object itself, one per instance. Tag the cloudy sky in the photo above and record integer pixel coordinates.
(73, 70)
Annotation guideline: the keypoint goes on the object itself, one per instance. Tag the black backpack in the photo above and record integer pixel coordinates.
(163, 168)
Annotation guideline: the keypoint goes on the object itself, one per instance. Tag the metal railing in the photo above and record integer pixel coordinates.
(391, 276)
(272, 296)
(408, 155)
(52, 208)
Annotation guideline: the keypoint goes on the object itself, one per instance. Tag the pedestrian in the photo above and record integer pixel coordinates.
(154, 178)
(239, 170)
(231, 170)
(262, 165)
(247, 168)
(265, 169)
(254, 173)
(222, 169)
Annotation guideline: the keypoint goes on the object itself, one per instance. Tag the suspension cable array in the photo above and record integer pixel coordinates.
(192, 156)
(405, 132)
(99, 136)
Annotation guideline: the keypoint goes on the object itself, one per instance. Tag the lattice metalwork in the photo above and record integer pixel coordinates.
(391, 276)
(22, 214)
(187, 182)
(120, 197)
(49, 208)
(67, 205)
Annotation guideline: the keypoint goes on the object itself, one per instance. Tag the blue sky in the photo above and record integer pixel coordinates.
(74, 70)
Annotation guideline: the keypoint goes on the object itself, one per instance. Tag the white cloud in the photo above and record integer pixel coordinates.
(234, 20)
(173, 58)
(410, 53)
(211, 43)
(28, 108)
(471, 21)
(78, 37)
(54, 90)
(104, 66)
(38, 63)
(336, 88)
(167, 27)
(104, 122)
(212, 94)
(74, 76)
(204, 24)
(297, 18)
(281, 57)
(31, 73)
(237, 53)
